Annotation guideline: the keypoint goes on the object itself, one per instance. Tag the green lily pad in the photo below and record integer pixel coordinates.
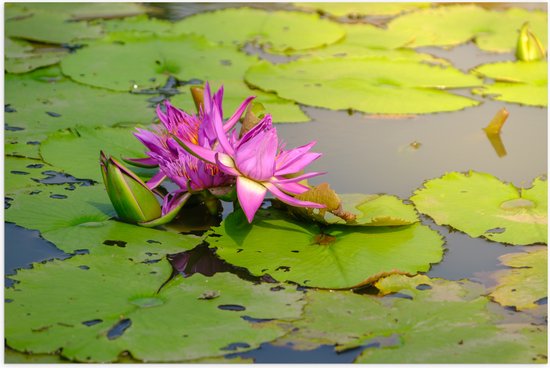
(520, 82)
(15, 357)
(336, 257)
(22, 57)
(45, 102)
(495, 31)
(369, 209)
(185, 57)
(367, 85)
(81, 219)
(87, 10)
(362, 9)
(140, 23)
(524, 284)
(400, 328)
(481, 205)
(50, 27)
(235, 92)
(86, 143)
(23, 172)
(111, 306)
(278, 31)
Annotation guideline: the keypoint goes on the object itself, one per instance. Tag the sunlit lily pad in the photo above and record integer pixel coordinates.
(44, 101)
(87, 142)
(235, 92)
(111, 306)
(335, 257)
(481, 205)
(15, 357)
(187, 58)
(367, 85)
(452, 25)
(23, 172)
(22, 57)
(362, 9)
(80, 219)
(520, 82)
(278, 31)
(400, 327)
(141, 24)
(368, 209)
(50, 27)
(526, 283)
(87, 10)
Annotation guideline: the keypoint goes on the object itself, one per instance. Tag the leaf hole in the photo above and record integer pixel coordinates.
(232, 307)
(118, 329)
(118, 243)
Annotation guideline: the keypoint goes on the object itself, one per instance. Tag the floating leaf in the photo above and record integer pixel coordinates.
(235, 92)
(520, 82)
(526, 283)
(22, 172)
(495, 31)
(481, 205)
(141, 24)
(278, 31)
(15, 357)
(45, 102)
(362, 9)
(80, 219)
(87, 10)
(50, 27)
(366, 210)
(335, 257)
(187, 58)
(400, 327)
(367, 85)
(111, 306)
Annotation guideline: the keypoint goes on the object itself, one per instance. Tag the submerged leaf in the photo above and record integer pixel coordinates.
(481, 205)
(335, 257)
(526, 283)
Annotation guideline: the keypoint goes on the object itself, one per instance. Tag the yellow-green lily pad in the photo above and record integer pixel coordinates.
(481, 205)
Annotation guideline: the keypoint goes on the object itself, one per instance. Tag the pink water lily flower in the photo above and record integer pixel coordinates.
(259, 164)
(187, 171)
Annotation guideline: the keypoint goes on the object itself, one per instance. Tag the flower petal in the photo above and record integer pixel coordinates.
(230, 123)
(220, 133)
(200, 152)
(295, 188)
(156, 180)
(226, 164)
(288, 199)
(141, 162)
(250, 194)
(296, 179)
(294, 160)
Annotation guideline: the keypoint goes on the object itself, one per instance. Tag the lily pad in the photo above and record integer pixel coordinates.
(22, 57)
(400, 327)
(140, 23)
(80, 219)
(185, 57)
(362, 9)
(526, 283)
(481, 205)
(494, 31)
(369, 209)
(44, 101)
(88, 10)
(23, 172)
(235, 92)
(112, 306)
(86, 143)
(520, 82)
(363, 84)
(277, 31)
(335, 257)
(50, 27)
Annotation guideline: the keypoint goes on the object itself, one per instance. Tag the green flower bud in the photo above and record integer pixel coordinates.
(529, 47)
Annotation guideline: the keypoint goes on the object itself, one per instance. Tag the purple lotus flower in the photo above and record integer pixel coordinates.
(258, 163)
(187, 171)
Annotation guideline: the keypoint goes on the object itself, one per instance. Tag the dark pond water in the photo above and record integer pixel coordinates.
(376, 155)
